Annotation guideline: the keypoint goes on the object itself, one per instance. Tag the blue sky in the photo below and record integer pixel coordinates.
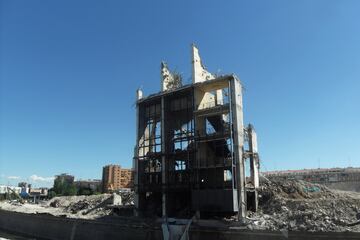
(69, 71)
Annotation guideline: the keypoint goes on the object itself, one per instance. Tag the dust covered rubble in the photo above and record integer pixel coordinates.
(93, 206)
(85, 207)
(294, 205)
(81, 206)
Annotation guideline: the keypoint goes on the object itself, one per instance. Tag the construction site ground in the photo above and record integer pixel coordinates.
(289, 206)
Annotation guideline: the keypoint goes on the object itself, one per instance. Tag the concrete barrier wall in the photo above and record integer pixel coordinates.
(55, 228)
(45, 227)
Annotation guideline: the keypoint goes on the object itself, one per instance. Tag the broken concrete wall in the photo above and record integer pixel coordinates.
(199, 72)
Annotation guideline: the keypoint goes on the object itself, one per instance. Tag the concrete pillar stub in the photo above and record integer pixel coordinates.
(139, 94)
(199, 72)
(167, 78)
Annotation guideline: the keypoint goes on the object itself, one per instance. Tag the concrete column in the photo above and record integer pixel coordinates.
(238, 135)
(163, 159)
(219, 100)
(139, 95)
(254, 163)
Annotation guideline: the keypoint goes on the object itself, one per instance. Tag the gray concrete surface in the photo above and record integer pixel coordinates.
(55, 228)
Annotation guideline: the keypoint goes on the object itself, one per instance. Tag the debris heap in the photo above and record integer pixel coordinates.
(301, 206)
(94, 206)
(85, 207)
(78, 206)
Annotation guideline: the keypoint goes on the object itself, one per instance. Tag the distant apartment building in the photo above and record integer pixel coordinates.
(4, 189)
(64, 178)
(91, 184)
(27, 191)
(114, 178)
(38, 192)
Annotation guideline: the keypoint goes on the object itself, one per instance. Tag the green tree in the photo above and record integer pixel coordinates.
(70, 190)
(51, 194)
(64, 188)
(85, 191)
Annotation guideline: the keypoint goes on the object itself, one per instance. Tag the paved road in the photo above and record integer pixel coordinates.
(8, 236)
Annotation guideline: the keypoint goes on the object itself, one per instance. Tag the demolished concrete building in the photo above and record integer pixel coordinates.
(191, 146)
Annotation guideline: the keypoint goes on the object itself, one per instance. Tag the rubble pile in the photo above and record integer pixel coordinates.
(85, 207)
(75, 206)
(93, 206)
(301, 206)
(127, 197)
(79, 206)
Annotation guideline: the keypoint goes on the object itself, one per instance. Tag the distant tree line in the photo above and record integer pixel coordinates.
(64, 188)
